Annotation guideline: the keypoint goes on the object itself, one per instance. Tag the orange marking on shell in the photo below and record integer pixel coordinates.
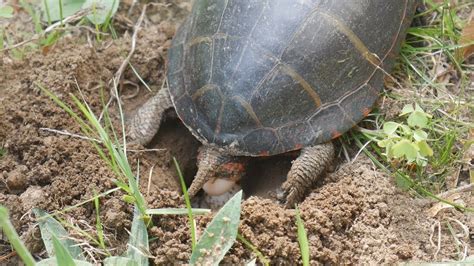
(234, 167)
(264, 153)
(366, 111)
(298, 146)
(336, 134)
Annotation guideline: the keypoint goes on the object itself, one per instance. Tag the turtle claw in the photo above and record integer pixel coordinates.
(305, 170)
(290, 197)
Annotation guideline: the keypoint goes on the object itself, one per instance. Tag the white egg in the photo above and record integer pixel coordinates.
(218, 186)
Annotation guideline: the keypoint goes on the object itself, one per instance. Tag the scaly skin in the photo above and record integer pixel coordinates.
(146, 122)
(305, 171)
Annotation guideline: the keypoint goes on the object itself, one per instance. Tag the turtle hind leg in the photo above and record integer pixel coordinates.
(146, 122)
(217, 172)
(305, 170)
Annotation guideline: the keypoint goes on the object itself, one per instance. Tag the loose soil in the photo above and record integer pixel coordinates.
(356, 215)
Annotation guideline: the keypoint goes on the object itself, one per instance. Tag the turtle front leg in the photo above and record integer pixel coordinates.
(217, 172)
(146, 122)
(305, 170)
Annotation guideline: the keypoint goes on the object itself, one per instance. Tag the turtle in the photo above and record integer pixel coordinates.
(252, 78)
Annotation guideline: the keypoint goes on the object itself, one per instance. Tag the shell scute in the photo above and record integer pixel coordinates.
(255, 77)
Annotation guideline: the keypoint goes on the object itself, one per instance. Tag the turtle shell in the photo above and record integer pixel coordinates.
(263, 77)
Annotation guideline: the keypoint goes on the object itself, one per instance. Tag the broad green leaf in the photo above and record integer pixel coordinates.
(122, 261)
(176, 211)
(425, 149)
(385, 143)
(6, 12)
(405, 148)
(138, 241)
(53, 262)
(421, 161)
(406, 130)
(419, 109)
(407, 109)
(101, 10)
(69, 8)
(63, 256)
(418, 119)
(219, 235)
(390, 128)
(420, 135)
(302, 239)
(49, 227)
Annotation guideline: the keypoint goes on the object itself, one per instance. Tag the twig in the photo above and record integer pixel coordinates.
(124, 64)
(149, 180)
(65, 133)
(116, 79)
(133, 95)
(9, 255)
(438, 245)
(465, 188)
(465, 236)
(360, 151)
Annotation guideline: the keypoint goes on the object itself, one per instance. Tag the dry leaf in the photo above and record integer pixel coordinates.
(467, 38)
(455, 198)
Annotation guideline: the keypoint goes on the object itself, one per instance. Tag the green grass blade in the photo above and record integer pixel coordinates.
(13, 238)
(139, 77)
(219, 235)
(177, 211)
(61, 13)
(52, 11)
(264, 260)
(98, 224)
(85, 127)
(34, 16)
(302, 239)
(46, 9)
(138, 241)
(50, 228)
(192, 226)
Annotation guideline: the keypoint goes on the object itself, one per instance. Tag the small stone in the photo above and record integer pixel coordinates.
(17, 179)
(32, 197)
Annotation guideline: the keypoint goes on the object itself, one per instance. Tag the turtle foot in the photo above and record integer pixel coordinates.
(146, 122)
(305, 170)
